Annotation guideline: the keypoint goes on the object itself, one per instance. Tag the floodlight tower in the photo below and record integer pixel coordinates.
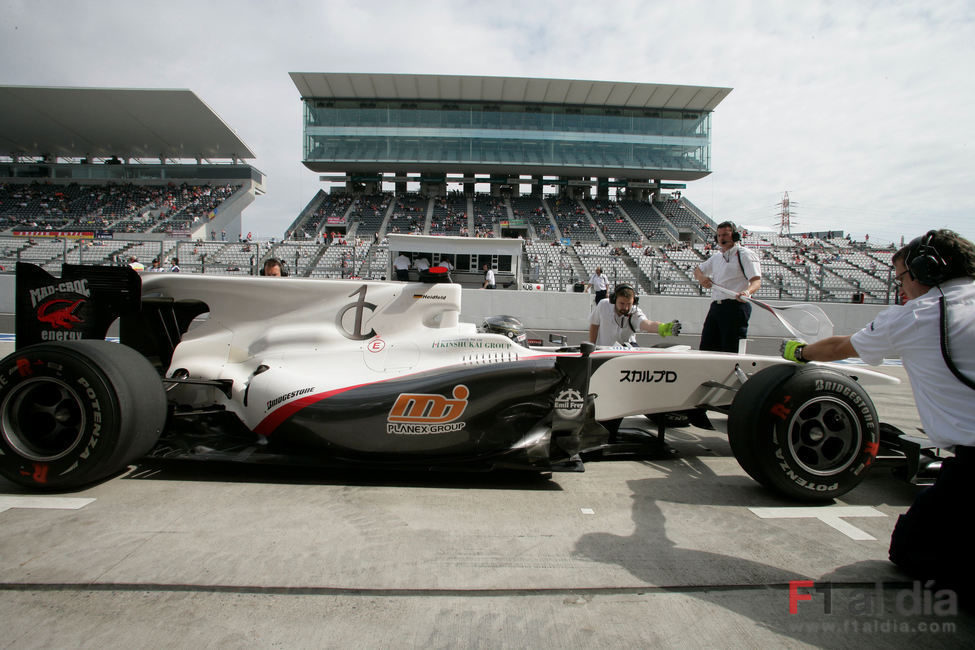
(786, 214)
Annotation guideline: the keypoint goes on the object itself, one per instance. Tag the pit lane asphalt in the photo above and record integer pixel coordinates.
(681, 551)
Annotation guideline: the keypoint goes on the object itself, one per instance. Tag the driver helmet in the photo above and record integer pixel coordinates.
(506, 325)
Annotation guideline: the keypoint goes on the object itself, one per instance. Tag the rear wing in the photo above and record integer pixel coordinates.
(81, 304)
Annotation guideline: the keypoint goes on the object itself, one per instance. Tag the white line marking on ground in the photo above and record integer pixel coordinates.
(831, 516)
(51, 503)
(588, 511)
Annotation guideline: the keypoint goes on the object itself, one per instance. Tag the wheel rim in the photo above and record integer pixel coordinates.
(824, 436)
(42, 419)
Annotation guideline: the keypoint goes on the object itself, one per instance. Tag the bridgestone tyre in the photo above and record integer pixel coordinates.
(806, 432)
(75, 413)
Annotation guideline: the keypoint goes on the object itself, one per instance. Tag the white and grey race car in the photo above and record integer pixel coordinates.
(327, 372)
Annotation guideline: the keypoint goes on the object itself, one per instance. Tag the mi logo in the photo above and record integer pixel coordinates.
(423, 414)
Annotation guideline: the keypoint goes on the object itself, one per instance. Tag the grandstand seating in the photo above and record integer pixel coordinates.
(611, 222)
(450, 216)
(409, 214)
(488, 212)
(369, 212)
(572, 220)
(532, 210)
(794, 267)
(647, 219)
(126, 207)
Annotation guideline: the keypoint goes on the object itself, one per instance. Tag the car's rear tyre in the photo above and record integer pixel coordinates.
(807, 432)
(77, 412)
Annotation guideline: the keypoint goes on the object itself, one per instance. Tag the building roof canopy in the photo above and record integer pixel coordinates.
(104, 122)
(364, 86)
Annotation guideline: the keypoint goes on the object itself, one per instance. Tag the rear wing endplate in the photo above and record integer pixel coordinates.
(81, 304)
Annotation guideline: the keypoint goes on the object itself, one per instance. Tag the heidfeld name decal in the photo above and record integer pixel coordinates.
(271, 403)
(648, 376)
(426, 414)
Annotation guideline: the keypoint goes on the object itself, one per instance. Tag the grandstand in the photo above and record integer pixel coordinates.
(126, 192)
(119, 166)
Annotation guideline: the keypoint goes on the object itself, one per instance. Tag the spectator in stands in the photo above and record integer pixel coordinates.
(175, 267)
(598, 283)
(155, 268)
(402, 266)
(272, 268)
(489, 282)
(933, 333)
(617, 319)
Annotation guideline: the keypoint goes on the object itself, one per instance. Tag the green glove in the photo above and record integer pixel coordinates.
(669, 329)
(792, 350)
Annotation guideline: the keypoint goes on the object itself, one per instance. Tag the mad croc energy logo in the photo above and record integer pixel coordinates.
(425, 414)
(60, 314)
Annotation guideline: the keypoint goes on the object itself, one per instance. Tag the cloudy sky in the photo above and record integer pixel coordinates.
(860, 110)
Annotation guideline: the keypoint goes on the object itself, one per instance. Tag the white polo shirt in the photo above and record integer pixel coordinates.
(614, 328)
(911, 330)
(598, 282)
(723, 269)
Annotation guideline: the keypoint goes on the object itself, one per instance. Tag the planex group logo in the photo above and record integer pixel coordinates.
(425, 414)
(58, 313)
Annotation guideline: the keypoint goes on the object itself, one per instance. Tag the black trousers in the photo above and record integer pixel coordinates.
(725, 324)
(600, 295)
(931, 541)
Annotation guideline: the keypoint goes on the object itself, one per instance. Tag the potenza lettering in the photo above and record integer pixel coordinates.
(647, 376)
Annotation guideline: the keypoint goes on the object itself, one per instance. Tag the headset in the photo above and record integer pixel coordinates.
(735, 235)
(275, 260)
(925, 263)
(621, 287)
(629, 316)
(928, 267)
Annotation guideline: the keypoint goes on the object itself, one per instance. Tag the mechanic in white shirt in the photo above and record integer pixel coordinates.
(598, 283)
(421, 264)
(617, 319)
(736, 268)
(402, 266)
(936, 276)
(488, 278)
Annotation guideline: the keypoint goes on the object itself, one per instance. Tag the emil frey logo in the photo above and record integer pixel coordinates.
(569, 403)
(424, 414)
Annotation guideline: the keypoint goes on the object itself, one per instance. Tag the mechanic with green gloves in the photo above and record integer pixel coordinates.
(617, 319)
(933, 332)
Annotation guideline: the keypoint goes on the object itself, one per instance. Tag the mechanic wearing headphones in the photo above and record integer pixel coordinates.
(933, 332)
(735, 268)
(617, 319)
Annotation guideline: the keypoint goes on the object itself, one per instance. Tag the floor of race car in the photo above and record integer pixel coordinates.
(679, 551)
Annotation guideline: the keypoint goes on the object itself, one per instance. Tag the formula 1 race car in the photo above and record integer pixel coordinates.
(327, 372)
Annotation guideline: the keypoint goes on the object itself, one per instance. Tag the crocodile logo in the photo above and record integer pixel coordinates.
(59, 313)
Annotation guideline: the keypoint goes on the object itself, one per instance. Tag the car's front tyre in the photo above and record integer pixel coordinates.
(807, 432)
